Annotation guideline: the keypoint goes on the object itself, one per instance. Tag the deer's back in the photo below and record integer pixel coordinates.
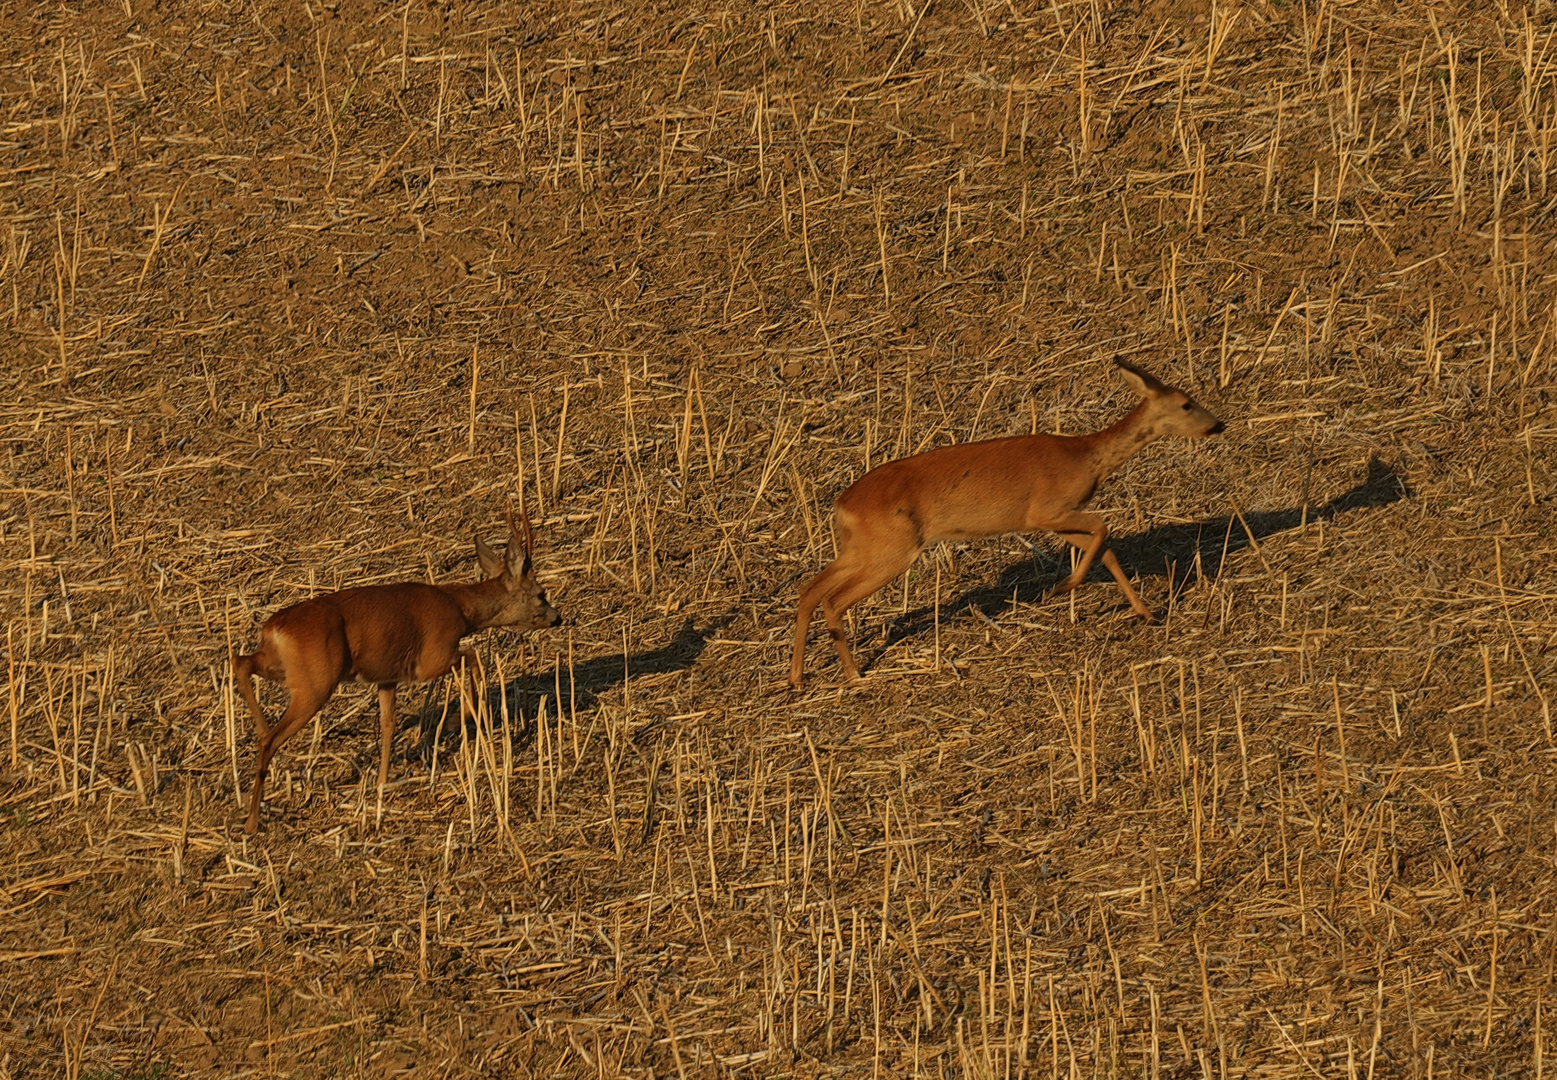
(406, 632)
(974, 489)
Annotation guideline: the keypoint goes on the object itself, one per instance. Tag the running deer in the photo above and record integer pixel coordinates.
(1020, 484)
(385, 634)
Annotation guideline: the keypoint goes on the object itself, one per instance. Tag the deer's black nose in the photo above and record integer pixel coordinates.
(1216, 429)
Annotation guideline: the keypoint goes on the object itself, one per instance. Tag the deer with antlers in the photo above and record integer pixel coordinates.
(408, 632)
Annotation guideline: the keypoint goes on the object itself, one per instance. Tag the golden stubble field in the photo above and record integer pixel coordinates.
(300, 295)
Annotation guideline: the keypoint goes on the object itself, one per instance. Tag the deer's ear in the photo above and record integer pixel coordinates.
(491, 565)
(1138, 380)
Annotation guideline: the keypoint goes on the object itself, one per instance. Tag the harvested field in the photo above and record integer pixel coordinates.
(300, 295)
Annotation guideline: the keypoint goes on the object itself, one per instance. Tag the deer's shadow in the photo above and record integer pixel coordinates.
(1183, 553)
(575, 689)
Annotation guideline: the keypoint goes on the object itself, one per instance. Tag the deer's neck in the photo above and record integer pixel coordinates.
(478, 602)
(1121, 440)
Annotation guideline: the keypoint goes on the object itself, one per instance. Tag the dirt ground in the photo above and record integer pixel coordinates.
(302, 295)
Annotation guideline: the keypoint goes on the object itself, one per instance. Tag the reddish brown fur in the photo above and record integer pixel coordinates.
(1022, 484)
(384, 634)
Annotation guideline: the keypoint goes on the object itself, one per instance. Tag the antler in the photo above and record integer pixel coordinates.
(529, 535)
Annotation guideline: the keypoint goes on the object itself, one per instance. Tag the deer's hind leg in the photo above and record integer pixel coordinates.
(815, 591)
(885, 564)
(306, 702)
(313, 666)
